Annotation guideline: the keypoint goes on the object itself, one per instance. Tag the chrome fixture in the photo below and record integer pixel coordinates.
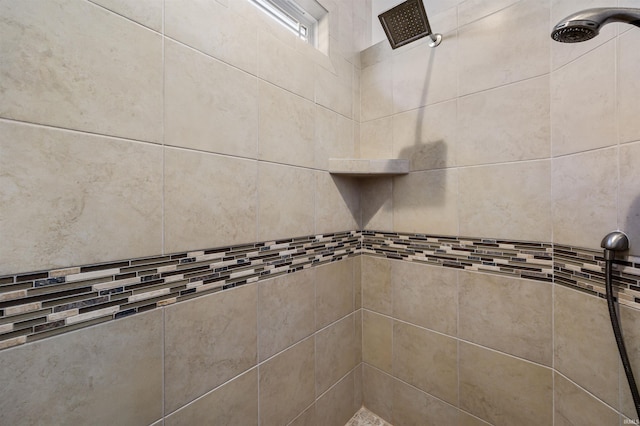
(407, 22)
(615, 242)
(586, 24)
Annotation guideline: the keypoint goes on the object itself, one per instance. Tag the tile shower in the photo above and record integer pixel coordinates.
(175, 251)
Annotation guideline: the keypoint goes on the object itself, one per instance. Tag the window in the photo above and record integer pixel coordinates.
(301, 17)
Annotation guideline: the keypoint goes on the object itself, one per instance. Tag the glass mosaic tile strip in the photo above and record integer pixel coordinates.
(41, 304)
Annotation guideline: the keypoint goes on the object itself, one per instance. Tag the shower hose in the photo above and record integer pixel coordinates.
(618, 335)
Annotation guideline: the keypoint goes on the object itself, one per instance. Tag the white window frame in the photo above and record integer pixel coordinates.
(300, 17)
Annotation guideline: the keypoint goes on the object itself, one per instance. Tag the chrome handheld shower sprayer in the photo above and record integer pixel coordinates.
(586, 24)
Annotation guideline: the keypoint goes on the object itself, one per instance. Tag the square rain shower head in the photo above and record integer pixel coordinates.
(405, 23)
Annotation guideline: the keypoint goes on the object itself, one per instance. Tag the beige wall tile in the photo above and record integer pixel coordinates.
(377, 91)
(234, 403)
(629, 195)
(574, 406)
(145, 12)
(426, 360)
(339, 208)
(427, 136)
(286, 311)
(507, 314)
(208, 341)
(286, 201)
(510, 123)
(202, 206)
(335, 407)
(507, 201)
(209, 105)
(426, 202)
(498, 49)
(215, 30)
(630, 324)
(426, 296)
(584, 347)
(102, 198)
(287, 127)
(584, 92)
(491, 387)
(357, 282)
(285, 67)
(473, 10)
(334, 292)
(377, 340)
(334, 137)
(307, 418)
(376, 201)
(376, 138)
(424, 76)
(336, 353)
(466, 419)
(584, 198)
(336, 89)
(628, 85)
(414, 407)
(287, 384)
(376, 284)
(107, 374)
(377, 391)
(55, 71)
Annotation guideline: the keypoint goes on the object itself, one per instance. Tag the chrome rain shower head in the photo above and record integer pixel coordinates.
(407, 22)
(586, 24)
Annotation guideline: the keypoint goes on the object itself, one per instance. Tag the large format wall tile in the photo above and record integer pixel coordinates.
(55, 69)
(507, 314)
(510, 123)
(334, 292)
(507, 201)
(630, 324)
(423, 75)
(285, 214)
(334, 137)
(426, 202)
(202, 203)
(284, 66)
(234, 403)
(338, 89)
(629, 194)
(215, 30)
(209, 106)
(628, 86)
(208, 341)
(145, 12)
(499, 49)
(337, 406)
(426, 360)
(377, 340)
(414, 407)
(583, 103)
(377, 91)
(425, 296)
(287, 384)
(377, 391)
(584, 197)
(427, 136)
(377, 285)
(584, 347)
(336, 352)
(340, 205)
(102, 198)
(287, 127)
(504, 390)
(574, 406)
(107, 374)
(286, 311)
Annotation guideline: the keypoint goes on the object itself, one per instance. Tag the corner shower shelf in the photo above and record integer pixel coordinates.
(368, 167)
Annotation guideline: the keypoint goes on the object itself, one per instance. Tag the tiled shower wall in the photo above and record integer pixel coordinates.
(509, 135)
(140, 129)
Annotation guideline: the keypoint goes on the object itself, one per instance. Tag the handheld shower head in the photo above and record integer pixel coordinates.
(586, 24)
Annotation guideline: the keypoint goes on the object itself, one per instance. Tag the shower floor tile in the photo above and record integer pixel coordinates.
(365, 417)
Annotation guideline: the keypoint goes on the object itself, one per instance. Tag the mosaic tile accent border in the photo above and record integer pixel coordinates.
(37, 305)
(518, 258)
(43, 304)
